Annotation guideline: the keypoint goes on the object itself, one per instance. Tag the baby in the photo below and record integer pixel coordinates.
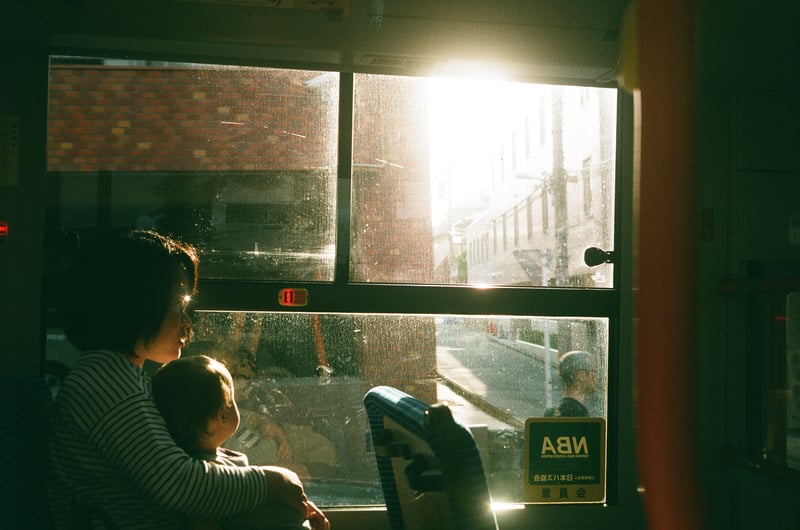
(195, 395)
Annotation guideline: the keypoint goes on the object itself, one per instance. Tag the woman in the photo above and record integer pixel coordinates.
(113, 461)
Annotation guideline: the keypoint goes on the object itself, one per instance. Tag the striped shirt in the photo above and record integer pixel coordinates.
(110, 446)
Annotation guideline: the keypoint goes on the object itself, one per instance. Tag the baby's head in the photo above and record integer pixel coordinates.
(195, 396)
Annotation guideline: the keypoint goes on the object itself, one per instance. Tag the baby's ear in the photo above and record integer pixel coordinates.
(225, 414)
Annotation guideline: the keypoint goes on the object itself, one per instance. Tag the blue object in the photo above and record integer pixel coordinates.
(429, 465)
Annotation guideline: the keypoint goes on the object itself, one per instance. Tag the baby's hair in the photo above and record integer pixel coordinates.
(189, 392)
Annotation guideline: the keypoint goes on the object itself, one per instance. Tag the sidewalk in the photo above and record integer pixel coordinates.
(526, 348)
(460, 386)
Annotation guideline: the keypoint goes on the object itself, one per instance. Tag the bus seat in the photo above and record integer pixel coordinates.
(25, 401)
(429, 465)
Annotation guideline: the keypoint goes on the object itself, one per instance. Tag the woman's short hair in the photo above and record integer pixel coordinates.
(120, 288)
(189, 392)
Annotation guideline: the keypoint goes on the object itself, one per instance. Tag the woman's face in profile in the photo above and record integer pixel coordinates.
(175, 328)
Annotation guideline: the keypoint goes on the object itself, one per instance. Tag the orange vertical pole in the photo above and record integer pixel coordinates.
(666, 272)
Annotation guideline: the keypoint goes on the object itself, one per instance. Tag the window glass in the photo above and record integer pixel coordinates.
(481, 182)
(239, 161)
(300, 380)
(453, 182)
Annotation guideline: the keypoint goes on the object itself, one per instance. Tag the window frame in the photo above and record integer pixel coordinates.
(343, 296)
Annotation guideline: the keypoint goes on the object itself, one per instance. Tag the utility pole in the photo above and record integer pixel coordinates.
(559, 186)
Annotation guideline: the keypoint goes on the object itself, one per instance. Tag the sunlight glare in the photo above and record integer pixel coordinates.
(469, 121)
(507, 506)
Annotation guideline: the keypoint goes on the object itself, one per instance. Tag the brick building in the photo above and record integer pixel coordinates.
(243, 163)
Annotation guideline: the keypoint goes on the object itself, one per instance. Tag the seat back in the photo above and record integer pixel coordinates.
(25, 401)
(430, 469)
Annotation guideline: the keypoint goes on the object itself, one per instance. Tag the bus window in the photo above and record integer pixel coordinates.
(241, 162)
(300, 379)
(436, 228)
(498, 183)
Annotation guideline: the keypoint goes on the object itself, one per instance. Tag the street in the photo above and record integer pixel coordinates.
(492, 379)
